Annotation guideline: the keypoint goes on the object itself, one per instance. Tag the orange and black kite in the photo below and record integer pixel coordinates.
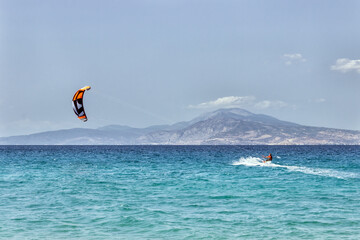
(78, 105)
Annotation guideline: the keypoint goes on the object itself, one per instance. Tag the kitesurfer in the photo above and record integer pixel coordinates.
(268, 158)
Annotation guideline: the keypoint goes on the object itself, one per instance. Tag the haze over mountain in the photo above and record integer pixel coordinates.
(223, 126)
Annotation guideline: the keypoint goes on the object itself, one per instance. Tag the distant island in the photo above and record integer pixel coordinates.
(233, 126)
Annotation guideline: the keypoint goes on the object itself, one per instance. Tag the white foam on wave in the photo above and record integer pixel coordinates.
(249, 161)
(255, 161)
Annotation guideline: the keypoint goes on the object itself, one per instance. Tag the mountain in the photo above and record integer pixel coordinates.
(224, 126)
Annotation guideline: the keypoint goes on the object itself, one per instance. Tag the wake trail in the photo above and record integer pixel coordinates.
(255, 161)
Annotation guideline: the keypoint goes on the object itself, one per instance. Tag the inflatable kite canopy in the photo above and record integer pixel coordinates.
(78, 105)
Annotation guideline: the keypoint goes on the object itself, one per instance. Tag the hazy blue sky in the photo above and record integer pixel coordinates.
(163, 61)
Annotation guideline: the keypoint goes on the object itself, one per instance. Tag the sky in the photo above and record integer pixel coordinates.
(152, 62)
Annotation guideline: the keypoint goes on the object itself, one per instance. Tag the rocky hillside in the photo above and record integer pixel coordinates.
(224, 126)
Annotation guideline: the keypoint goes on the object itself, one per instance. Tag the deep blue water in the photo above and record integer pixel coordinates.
(179, 192)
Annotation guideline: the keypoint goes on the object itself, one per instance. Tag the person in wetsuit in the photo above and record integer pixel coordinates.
(268, 158)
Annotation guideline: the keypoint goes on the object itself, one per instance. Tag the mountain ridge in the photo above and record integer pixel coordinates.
(232, 126)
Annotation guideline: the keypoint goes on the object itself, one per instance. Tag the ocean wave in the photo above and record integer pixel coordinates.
(256, 161)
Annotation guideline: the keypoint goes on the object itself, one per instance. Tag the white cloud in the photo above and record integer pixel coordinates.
(346, 65)
(240, 101)
(270, 104)
(231, 101)
(320, 100)
(316, 100)
(293, 58)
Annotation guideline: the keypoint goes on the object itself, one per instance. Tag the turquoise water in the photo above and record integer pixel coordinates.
(179, 192)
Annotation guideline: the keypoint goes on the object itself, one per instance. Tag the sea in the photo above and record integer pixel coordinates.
(179, 192)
